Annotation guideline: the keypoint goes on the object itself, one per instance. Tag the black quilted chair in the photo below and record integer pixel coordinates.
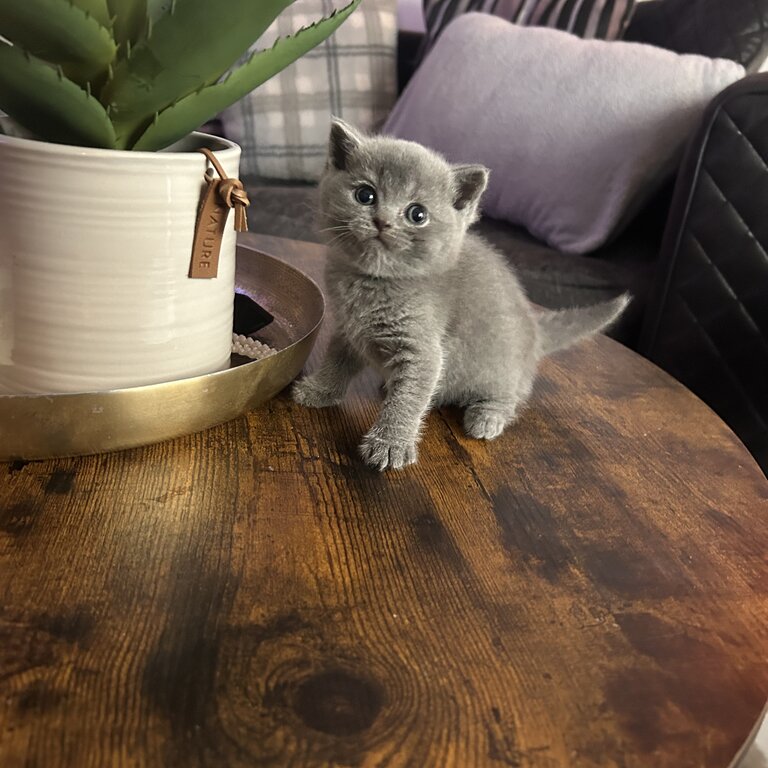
(706, 320)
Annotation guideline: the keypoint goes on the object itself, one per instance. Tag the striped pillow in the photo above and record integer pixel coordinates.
(603, 19)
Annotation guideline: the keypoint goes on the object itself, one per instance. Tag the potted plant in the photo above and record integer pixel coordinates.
(100, 193)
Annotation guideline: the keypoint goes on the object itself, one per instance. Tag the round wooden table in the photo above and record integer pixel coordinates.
(588, 590)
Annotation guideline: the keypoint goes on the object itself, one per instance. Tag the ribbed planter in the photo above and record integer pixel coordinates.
(95, 250)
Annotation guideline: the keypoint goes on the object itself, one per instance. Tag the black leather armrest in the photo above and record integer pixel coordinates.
(707, 320)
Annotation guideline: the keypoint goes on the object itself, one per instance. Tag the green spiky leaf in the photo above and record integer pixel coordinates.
(130, 20)
(190, 47)
(48, 104)
(192, 111)
(59, 32)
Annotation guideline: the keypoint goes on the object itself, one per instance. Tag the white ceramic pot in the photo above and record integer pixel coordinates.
(95, 250)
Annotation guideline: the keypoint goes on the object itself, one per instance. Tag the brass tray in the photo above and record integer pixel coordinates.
(52, 426)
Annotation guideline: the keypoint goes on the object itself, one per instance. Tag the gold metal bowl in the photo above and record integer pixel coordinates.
(51, 426)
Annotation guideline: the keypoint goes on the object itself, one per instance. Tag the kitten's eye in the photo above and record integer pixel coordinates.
(365, 195)
(416, 214)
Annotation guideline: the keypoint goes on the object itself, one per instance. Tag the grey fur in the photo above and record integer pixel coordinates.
(434, 308)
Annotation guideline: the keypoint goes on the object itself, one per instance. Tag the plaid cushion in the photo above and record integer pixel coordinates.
(603, 19)
(283, 125)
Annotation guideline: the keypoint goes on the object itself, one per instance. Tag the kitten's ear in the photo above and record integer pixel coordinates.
(471, 181)
(343, 141)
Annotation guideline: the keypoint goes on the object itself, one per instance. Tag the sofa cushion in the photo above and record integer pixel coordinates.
(282, 126)
(578, 134)
(727, 29)
(604, 19)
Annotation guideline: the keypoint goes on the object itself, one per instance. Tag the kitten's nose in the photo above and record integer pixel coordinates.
(381, 225)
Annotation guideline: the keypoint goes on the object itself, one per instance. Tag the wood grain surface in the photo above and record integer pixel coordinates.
(588, 590)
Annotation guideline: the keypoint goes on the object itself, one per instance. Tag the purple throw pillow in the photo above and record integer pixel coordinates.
(578, 134)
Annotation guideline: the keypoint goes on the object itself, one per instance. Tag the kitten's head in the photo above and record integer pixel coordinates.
(393, 208)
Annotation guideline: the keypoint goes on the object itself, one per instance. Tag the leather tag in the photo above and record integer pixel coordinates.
(211, 220)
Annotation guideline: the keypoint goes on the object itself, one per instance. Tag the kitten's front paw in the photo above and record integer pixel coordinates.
(308, 392)
(483, 424)
(382, 451)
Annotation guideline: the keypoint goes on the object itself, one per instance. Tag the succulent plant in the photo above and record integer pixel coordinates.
(137, 74)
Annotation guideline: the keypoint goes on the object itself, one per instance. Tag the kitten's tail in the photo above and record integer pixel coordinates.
(563, 327)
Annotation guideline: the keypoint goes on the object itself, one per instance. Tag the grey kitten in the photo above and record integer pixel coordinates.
(434, 308)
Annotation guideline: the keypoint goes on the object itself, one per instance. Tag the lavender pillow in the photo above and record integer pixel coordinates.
(578, 133)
